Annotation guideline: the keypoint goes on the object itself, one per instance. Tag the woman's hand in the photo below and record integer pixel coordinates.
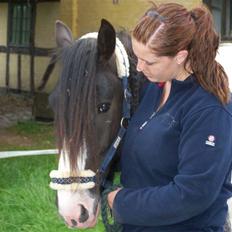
(111, 197)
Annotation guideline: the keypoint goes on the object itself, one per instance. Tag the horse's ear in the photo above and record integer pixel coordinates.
(63, 34)
(106, 40)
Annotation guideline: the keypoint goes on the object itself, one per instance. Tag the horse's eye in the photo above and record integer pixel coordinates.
(103, 107)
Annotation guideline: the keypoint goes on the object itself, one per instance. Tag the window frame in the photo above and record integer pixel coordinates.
(23, 39)
(226, 18)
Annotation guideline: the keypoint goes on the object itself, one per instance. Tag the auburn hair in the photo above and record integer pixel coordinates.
(170, 28)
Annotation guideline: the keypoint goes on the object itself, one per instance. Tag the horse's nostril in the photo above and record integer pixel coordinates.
(74, 222)
(84, 214)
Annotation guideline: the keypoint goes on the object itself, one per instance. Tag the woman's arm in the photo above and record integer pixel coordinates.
(203, 168)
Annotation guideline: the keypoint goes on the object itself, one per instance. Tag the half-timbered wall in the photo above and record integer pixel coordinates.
(25, 66)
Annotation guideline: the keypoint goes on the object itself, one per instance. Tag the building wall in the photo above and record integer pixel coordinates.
(69, 14)
(3, 39)
(41, 65)
(2, 69)
(47, 13)
(25, 71)
(124, 14)
(81, 16)
(3, 23)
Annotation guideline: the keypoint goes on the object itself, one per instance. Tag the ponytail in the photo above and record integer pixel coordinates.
(186, 30)
(202, 52)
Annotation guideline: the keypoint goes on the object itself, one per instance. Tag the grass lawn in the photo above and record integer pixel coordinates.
(26, 202)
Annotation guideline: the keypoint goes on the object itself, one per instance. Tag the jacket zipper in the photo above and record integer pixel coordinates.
(149, 119)
(151, 116)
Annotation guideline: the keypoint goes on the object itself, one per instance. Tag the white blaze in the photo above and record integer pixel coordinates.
(64, 162)
(69, 201)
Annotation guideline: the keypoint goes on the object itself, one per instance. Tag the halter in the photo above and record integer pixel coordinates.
(86, 179)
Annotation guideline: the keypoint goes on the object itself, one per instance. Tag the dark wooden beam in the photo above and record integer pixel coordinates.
(7, 70)
(3, 49)
(7, 80)
(32, 48)
(26, 51)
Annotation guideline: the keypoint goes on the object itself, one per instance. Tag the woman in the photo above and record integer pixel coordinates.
(177, 154)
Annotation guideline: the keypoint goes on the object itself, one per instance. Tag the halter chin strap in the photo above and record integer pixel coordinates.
(86, 179)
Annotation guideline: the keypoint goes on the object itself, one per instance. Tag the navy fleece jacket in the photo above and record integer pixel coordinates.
(176, 163)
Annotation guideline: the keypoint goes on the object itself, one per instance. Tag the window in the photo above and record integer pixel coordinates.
(20, 24)
(222, 14)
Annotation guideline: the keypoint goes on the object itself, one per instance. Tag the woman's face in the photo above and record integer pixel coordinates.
(155, 68)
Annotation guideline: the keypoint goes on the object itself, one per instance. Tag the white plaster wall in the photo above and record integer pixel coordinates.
(224, 57)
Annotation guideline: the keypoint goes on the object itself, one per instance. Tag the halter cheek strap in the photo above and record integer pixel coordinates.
(86, 179)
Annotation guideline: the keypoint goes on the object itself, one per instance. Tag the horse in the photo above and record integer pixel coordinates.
(87, 104)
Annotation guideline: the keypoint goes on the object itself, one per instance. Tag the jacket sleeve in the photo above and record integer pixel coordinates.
(204, 165)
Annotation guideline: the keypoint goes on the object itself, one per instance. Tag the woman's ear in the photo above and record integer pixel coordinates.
(181, 56)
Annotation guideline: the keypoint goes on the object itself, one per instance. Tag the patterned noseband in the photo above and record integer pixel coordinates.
(69, 181)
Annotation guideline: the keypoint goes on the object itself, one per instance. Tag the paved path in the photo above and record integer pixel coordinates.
(9, 119)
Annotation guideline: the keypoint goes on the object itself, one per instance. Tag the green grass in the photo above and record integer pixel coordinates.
(26, 202)
(35, 134)
(42, 135)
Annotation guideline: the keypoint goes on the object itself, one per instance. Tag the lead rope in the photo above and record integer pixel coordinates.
(107, 218)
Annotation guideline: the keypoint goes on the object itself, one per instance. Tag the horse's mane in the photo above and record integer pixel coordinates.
(74, 98)
(136, 79)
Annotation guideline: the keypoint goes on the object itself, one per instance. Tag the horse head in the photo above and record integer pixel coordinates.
(87, 104)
